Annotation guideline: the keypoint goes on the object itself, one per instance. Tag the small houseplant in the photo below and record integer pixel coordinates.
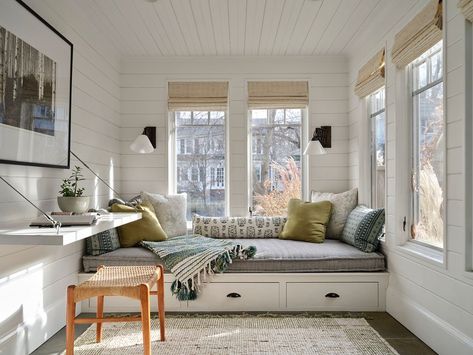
(72, 199)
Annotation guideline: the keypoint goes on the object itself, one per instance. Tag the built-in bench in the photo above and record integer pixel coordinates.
(284, 275)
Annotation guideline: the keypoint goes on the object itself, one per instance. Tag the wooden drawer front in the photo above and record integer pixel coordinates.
(316, 296)
(253, 296)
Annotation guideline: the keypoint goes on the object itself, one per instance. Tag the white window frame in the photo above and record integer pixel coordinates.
(414, 153)
(402, 241)
(173, 150)
(304, 159)
(372, 148)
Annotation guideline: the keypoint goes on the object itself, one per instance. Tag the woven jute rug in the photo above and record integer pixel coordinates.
(240, 335)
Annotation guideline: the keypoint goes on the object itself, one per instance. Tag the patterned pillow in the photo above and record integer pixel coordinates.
(238, 227)
(171, 212)
(103, 242)
(342, 204)
(363, 228)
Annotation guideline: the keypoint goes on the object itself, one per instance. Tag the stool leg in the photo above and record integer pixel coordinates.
(145, 318)
(160, 295)
(100, 300)
(70, 316)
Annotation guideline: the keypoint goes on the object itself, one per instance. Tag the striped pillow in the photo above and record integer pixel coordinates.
(103, 242)
(363, 228)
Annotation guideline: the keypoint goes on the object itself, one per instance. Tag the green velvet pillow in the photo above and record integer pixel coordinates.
(147, 228)
(306, 221)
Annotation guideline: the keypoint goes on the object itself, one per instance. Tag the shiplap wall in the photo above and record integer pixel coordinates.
(144, 102)
(33, 280)
(435, 302)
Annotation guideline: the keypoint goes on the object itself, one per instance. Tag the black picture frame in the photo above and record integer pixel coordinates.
(36, 100)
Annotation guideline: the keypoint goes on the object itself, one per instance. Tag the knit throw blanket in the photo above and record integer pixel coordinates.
(192, 258)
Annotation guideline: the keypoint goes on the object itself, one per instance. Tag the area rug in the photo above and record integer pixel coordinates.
(240, 335)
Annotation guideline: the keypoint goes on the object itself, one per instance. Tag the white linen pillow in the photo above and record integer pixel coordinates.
(342, 204)
(170, 211)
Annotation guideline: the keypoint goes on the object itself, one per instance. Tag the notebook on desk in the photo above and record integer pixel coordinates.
(73, 220)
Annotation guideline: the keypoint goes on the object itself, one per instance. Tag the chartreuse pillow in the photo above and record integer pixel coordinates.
(306, 221)
(147, 228)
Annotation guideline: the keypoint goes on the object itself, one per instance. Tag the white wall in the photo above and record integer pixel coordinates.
(434, 301)
(33, 280)
(144, 102)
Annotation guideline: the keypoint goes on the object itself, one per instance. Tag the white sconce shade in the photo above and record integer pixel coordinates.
(314, 148)
(142, 145)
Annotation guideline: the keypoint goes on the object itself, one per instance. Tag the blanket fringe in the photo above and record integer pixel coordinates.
(186, 290)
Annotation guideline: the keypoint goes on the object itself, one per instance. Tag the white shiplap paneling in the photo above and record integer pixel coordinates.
(143, 102)
(432, 300)
(33, 280)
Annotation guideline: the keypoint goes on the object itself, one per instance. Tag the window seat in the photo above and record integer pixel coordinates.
(272, 256)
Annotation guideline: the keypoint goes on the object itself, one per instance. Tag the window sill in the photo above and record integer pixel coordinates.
(427, 254)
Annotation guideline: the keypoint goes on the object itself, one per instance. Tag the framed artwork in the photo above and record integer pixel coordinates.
(35, 89)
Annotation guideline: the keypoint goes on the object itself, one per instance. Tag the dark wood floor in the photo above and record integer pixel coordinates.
(390, 329)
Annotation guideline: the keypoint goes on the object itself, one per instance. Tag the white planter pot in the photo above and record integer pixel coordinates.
(73, 204)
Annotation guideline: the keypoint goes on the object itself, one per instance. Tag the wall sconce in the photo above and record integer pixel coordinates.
(145, 142)
(321, 139)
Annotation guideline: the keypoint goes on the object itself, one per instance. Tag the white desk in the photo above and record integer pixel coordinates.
(18, 233)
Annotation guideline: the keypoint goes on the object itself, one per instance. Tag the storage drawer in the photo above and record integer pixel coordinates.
(335, 296)
(236, 296)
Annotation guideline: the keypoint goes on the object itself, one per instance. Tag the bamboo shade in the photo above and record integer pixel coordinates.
(198, 96)
(278, 94)
(371, 75)
(424, 31)
(466, 7)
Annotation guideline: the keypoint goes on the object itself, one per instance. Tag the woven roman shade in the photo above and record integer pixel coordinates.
(466, 7)
(278, 94)
(371, 75)
(419, 35)
(198, 96)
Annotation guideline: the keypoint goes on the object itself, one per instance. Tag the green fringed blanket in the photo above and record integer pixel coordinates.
(191, 258)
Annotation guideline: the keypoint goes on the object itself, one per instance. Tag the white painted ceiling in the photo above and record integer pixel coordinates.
(233, 27)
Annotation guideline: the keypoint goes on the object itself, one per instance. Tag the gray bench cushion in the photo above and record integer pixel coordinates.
(272, 256)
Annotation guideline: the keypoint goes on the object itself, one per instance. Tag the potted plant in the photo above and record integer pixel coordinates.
(72, 199)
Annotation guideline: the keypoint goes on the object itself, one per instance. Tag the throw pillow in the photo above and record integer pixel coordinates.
(103, 242)
(238, 227)
(363, 228)
(306, 221)
(170, 210)
(342, 204)
(147, 228)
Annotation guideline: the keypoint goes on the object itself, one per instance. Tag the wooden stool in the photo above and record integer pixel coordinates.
(128, 281)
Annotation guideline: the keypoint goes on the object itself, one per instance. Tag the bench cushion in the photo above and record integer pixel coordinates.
(272, 256)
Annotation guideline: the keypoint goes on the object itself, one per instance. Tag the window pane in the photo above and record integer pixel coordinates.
(200, 161)
(378, 142)
(429, 166)
(378, 170)
(276, 160)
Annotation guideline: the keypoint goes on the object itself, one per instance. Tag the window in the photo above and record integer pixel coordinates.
(427, 149)
(275, 159)
(200, 148)
(377, 117)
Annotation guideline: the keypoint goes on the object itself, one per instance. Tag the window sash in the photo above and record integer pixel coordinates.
(415, 155)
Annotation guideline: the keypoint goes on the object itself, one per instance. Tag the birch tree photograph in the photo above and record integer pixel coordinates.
(27, 86)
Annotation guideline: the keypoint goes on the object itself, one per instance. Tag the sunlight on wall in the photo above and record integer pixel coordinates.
(22, 304)
(111, 179)
(96, 192)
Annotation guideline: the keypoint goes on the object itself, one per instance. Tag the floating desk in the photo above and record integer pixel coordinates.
(18, 233)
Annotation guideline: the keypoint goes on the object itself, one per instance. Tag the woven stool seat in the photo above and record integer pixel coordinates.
(117, 281)
(128, 281)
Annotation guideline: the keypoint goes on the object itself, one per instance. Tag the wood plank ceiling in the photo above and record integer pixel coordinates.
(231, 27)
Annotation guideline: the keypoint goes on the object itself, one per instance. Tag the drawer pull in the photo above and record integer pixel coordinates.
(233, 295)
(332, 295)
